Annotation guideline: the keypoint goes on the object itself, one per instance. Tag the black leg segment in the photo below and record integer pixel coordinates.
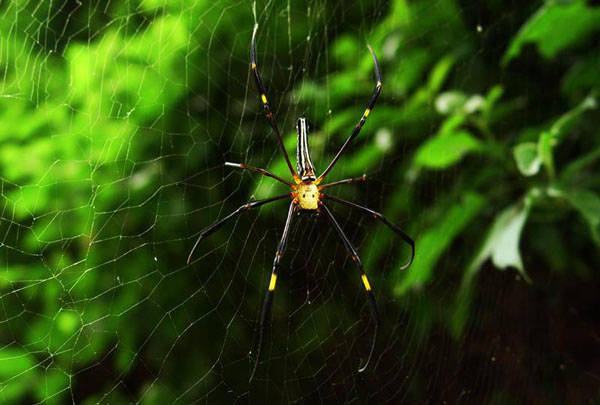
(259, 170)
(365, 280)
(380, 217)
(263, 97)
(266, 310)
(360, 124)
(246, 207)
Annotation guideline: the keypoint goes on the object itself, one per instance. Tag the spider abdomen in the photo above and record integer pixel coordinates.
(307, 195)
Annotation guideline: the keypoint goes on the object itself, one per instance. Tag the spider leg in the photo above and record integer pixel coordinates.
(246, 207)
(360, 124)
(259, 170)
(345, 181)
(365, 280)
(263, 96)
(380, 217)
(266, 310)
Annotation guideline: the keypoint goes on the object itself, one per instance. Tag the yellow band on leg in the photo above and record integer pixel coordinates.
(272, 282)
(366, 282)
(264, 98)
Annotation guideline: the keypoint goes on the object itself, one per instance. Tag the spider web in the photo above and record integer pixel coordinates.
(116, 119)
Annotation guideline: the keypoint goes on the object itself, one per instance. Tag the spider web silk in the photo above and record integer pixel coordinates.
(116, 119)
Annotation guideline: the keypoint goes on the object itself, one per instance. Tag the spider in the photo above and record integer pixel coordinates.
(307, 197)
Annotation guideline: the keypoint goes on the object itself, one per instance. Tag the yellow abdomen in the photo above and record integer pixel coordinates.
(308, 196)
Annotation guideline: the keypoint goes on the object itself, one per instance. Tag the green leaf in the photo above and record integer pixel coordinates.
(582, 76)
(444, 150)
(555, 26)
(506, 236)
(502, 241)
(53, 386)
(17, 369)
(492, 96)
(67, 322)
(450, 102)
(344, 48)
(580, 164)
(527, 158)
(14, 362)
(456, 102)
(545, 145)
(588, 205)
(502, 246)
(437, 239)
(452, 124)
(440, 73)
(550, 138)
(568, 119)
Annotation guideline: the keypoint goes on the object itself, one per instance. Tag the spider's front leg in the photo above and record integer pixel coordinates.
(363, 119)
(266, 311)
(263, 97)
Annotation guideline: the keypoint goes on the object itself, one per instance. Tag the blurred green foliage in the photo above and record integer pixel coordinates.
(116, 118)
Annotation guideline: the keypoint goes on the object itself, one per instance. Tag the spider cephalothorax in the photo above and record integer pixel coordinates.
(306, 195)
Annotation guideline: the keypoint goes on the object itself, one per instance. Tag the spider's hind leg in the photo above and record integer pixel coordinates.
(384, 220)
(266, 310)
(370, 297)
